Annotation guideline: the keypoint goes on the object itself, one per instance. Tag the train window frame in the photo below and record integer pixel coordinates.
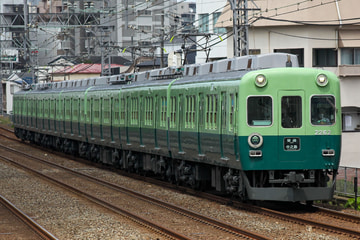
(88, 110)
(190, 111)
(211, 111)
(122, 110)
(68, 109)
(116, 110)
(173, 109)
(52, 108)
(82, 109)
(134, 111)
(46, 108)
(233, 98)
(75, 109)
(148, 110)
(260, 121)
(163, 111)
(324, 119)
(96, 110)
(106, 106)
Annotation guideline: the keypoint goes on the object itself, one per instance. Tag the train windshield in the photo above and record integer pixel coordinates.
(259, 111)
(291, 112)
(323, 110)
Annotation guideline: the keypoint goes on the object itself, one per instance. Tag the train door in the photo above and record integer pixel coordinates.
(291, 124)
(181, 125)
(140, 118)
(112, 112)
(201, 121)
(128, 115)
(223, 124)
(156, 110)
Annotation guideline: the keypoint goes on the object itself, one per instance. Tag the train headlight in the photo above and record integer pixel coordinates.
(255, 140)
(322, 80)
(260, 80)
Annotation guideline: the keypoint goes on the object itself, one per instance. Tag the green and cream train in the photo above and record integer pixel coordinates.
(258, 127)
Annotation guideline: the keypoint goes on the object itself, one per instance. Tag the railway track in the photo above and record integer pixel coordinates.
(316, 217)
(15, 224)
(142, 209)
(324, 219)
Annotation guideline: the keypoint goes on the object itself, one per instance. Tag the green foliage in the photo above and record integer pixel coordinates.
(5, 120)
(351, 203)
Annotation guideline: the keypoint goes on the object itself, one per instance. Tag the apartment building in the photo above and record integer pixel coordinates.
(211, 40)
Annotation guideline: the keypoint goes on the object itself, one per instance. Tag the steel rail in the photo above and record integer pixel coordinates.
(37, 228)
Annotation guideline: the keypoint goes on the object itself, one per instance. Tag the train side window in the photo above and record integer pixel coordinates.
(134, 110)
(190, 112)
(233, 102)
(96, 110)
(291, 112)
(211, 111)
(88, 110)
(148, 111)
(75, 110)
(82, 110)
(163, 106)
(173, 112)
(116, 115)
(323, 110)
(46, 108)
(259, 111)
(122, 110)
(52, 109)
(106, 110)
(68, 109)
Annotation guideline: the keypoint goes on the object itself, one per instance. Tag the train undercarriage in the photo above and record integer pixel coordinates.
(278, 185)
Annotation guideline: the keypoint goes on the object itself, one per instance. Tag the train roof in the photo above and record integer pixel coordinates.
(233, 68)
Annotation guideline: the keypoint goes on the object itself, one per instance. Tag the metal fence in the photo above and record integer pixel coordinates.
(345, 184)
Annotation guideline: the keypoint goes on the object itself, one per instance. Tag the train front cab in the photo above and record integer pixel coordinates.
(292, 138)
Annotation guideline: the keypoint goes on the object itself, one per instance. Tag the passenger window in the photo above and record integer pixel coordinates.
(291, 112)
(259, 111)
(323, 110)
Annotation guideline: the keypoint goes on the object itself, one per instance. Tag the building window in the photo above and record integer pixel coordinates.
(350, 119)
(145, 29)
(350, 56)
(144, 12)
(218, 30)
(254, 51)
(324, 57)
(299, 52)
(204, 23)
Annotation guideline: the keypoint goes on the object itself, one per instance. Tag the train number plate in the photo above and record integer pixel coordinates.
(291, 144)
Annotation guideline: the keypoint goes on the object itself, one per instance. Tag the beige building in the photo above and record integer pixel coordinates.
(324, 34)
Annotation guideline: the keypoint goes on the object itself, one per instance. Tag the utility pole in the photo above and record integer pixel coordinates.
(241, 26)
(162, 40)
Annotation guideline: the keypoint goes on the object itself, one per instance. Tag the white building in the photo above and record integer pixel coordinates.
(212, 40)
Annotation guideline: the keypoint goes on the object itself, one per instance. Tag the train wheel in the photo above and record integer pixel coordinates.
(116, 158)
